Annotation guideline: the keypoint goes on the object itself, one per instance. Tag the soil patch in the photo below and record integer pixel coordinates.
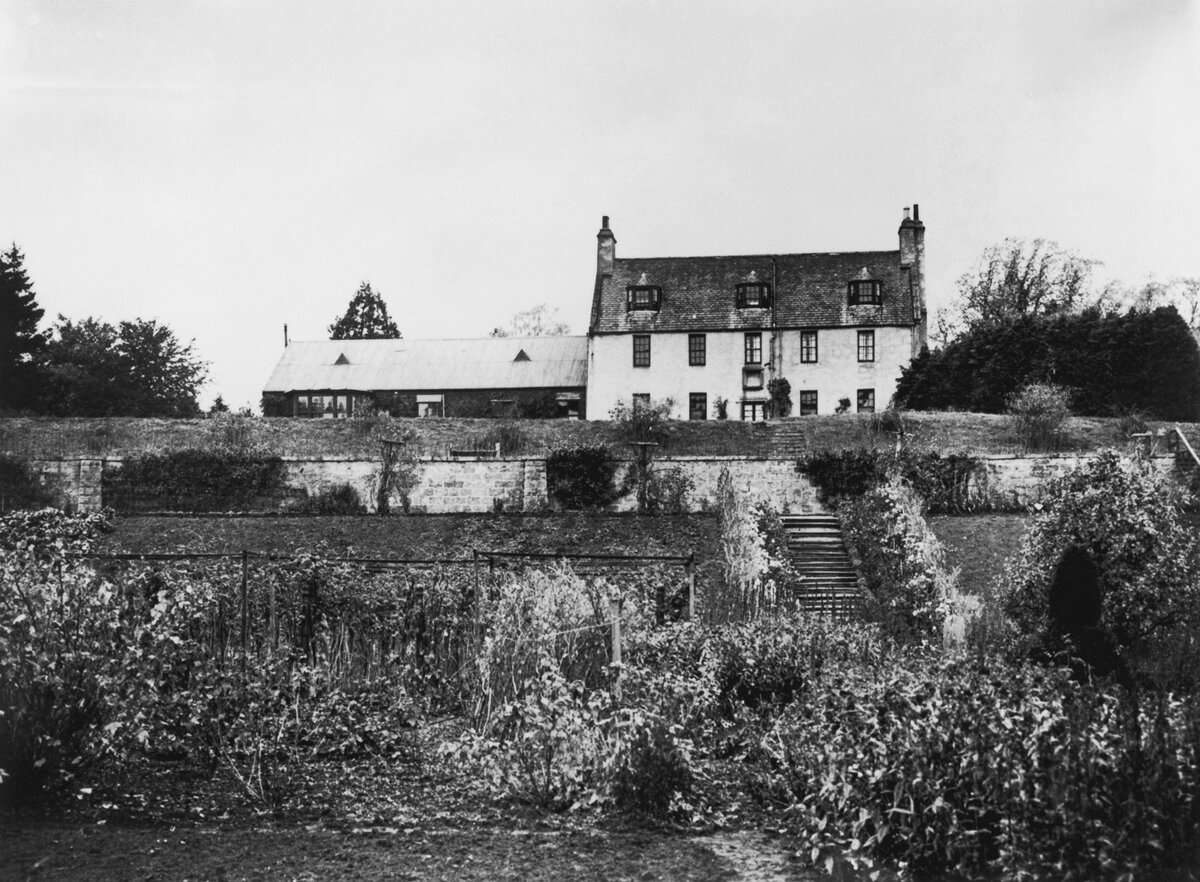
(422, 536)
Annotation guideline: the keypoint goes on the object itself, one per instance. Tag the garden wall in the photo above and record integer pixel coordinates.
(483, 485)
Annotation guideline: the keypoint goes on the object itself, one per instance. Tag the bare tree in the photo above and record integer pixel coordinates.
(537, 321)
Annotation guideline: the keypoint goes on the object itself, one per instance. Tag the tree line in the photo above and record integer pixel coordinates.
(1028, 313)
(89, 367)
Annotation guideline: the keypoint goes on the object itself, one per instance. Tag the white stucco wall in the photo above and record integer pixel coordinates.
(837, 373)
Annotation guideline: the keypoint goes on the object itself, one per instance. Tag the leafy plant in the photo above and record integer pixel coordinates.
(581, 477)
(340, 499)
(20, 486)
(780, 392)
(900, 559)
(1039, 413)
(1121, 513)
(194, 480)
(60, 648)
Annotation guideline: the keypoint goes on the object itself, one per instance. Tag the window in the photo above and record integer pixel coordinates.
(643, 297)
(326, 406)
(808, 347)
(866, 346)
(866, 400)
(641, 400)
(641, 350)
(697, 350)
(754, 348)
(698, 406)
(754, 411)
(751, 295)
(865, 293)
(808, 402)
(431, 405)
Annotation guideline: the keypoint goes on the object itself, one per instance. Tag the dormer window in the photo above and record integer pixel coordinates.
(643, 295)
(753, 294)
(865, 292)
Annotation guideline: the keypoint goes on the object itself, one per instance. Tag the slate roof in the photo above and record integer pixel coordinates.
(432, 365)
(698, 293)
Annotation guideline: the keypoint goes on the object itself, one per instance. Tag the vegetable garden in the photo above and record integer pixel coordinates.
(320, 688)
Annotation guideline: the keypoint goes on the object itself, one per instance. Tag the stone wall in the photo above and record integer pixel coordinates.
(75, 483)
(483, 485)
(1019, 481)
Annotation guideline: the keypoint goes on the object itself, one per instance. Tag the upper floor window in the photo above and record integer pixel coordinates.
(808, 347)
(865, 292)
(643, 295)
(753, 294)
(866, 346)
(754, 348)
(641, 350)
(697, 350)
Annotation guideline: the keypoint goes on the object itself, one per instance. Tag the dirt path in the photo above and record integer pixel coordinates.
(754, 857)
(58, 851)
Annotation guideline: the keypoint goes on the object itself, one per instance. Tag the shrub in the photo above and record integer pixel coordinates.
(651, 767)
(1039, 413)
(780, 391)
(966, 768)
(669, 490)
(951, 484)
(643, 422)
(194, 480)
(60, 669)
(340, 499)
(744, 592)
(581, 477)
(900, 559)
(20, 486)
(544, 745)
(1122, 514)
(535, 616)
(50, 532)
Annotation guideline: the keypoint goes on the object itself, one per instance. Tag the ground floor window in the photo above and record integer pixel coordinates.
(324, 405)
(641, 400)
(698, 406)
(431, 405)
(808, 402)
(866, 400)
(754, 411)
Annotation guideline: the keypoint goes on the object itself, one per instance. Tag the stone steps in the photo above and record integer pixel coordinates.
(818, 553)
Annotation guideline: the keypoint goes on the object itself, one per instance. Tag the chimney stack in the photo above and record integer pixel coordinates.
(912, 257)
(606, 249)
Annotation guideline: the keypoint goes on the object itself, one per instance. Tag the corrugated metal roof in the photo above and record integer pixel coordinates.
(434, 365)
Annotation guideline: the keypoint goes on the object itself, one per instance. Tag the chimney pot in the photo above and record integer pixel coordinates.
(604, 223)
(916, 212)
(906, 212)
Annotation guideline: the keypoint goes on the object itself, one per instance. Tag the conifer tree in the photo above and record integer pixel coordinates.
(366, 318)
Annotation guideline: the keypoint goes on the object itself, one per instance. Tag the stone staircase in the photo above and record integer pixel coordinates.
(788, 439)
(818, 553)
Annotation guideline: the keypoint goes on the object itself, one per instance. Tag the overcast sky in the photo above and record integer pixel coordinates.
(227, 166)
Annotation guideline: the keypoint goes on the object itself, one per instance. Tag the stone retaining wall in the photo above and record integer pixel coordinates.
(483, 485)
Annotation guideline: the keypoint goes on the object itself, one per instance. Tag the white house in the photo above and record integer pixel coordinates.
(703, 330)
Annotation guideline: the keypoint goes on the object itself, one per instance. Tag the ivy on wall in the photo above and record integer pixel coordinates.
(193, 480)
